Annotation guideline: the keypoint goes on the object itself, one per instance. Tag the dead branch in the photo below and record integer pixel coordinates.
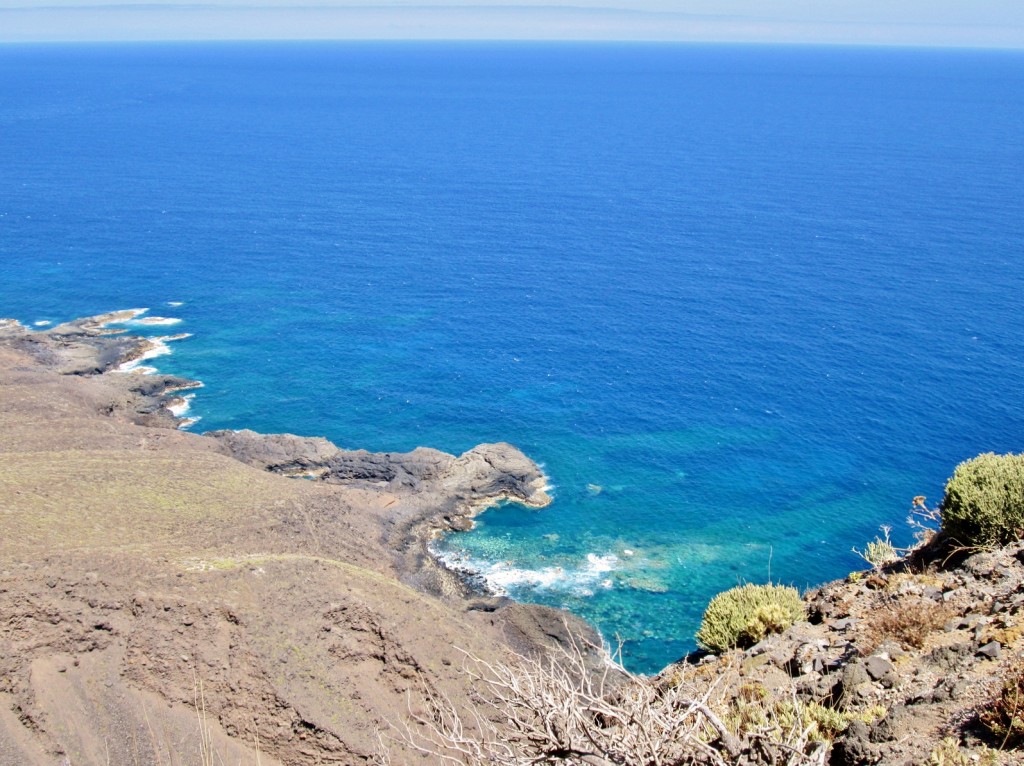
(556, 709)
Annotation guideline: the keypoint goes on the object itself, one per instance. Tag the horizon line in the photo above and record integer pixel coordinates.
(270, 20)
(520, 41)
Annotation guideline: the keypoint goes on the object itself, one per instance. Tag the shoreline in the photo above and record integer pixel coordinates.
(442, 493)
(138, 558)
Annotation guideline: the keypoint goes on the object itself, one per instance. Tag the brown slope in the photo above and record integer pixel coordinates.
(140, 564)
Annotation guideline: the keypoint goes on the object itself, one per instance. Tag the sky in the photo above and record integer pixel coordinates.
(960, 23)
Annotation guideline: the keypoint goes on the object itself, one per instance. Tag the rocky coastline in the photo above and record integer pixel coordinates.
(280, 591)
(141, 558)
(439, 492)
(895, 665)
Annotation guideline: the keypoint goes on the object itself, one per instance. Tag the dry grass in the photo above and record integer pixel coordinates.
(1006, 629)
(117, 498)
(908, 623)
(208, 753)
(1004, 716)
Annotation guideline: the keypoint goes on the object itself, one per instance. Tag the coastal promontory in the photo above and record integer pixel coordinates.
(166, 596)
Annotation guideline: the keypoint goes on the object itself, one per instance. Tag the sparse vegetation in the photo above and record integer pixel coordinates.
(948, 753)
(756, 710)
(557, 711)
(908, 623)
(984, 501)
(162, 581)
(744, 615)
(1004, 717)
(880, 551)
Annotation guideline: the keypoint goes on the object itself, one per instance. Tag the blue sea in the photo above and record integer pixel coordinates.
(742, 303)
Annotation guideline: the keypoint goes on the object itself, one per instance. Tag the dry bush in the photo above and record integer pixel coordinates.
(1004, 717)
(557, 710)
(924, 521)
(908, 623)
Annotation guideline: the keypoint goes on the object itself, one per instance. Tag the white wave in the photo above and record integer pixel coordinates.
(153, 321)
(175, 304)
(505, 578)
(601, 564)
(122, 316)
(142, 369)
(42, 323)
(180, 405)
(157, 348)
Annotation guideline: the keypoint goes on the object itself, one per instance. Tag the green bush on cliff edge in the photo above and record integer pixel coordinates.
(744, 615)
(984, 501)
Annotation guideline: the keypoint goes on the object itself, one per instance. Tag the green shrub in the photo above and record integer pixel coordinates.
(744, 615)
(984, 501)
(880, 551)
(754, 710)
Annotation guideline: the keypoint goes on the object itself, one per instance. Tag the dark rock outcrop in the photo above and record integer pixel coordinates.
(480, 477)
(280, 453)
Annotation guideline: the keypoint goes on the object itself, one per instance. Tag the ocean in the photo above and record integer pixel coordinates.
(742, 302)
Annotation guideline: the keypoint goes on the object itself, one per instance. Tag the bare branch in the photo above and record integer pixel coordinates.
(561, 709)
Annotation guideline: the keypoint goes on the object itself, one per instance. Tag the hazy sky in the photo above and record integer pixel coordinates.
(985, 23)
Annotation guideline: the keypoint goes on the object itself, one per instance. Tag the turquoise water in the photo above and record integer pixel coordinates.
(743, 303)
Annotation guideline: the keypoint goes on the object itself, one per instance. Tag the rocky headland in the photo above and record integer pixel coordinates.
(147, 573)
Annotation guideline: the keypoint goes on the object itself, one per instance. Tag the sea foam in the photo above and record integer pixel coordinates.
(157, 347)
(154, 321)
(180, 405)
(506, 578)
